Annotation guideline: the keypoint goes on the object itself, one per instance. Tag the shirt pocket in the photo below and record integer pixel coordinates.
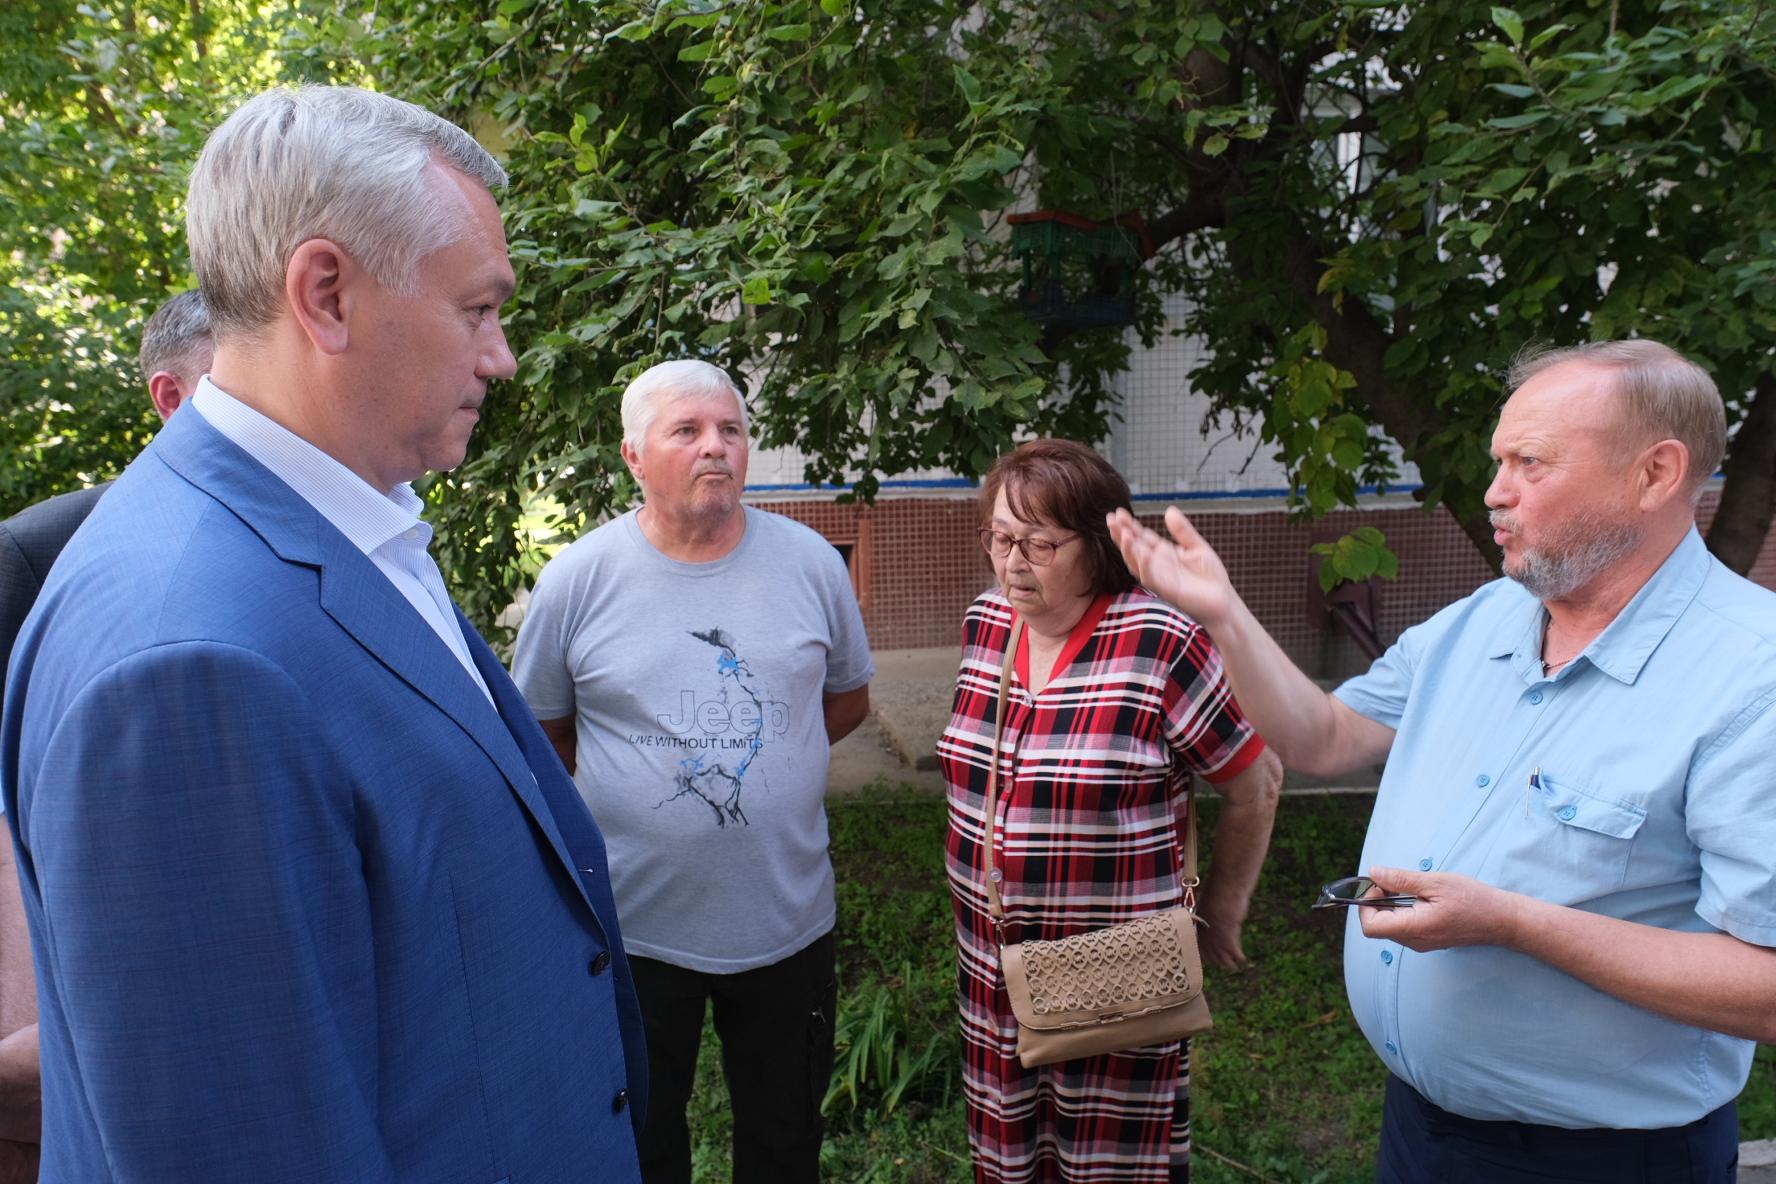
(1578, 841)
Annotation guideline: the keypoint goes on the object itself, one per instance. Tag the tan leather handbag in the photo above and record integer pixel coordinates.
(1122, 987)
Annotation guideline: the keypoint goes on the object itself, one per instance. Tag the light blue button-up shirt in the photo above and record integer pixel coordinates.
(1639, 782)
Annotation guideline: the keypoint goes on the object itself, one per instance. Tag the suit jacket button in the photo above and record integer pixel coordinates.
(620, 1103)
(600, 964)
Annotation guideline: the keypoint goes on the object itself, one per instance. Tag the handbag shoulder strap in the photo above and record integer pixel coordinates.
(995, 906)
(1189, 880)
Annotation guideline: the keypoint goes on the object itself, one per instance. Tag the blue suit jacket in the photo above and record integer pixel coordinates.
(304, 906)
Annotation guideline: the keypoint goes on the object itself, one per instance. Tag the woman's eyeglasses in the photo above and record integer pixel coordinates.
(1037, 551)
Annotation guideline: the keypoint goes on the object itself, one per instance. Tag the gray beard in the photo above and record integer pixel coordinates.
(1572, 557)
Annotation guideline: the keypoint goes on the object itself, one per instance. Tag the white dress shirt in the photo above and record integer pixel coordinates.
(388, 530)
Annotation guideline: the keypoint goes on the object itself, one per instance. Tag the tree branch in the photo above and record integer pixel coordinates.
(1202, 210)
(1357, 342)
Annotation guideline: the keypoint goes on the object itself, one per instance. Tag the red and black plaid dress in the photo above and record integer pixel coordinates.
(1137, 703)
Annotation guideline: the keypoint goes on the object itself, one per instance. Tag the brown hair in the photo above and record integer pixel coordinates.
(1069, 486)
(1663, 395)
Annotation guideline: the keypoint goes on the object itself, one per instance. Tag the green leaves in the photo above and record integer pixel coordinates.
(812, 194)
(1360, 555)
(1509, 23)
(1512, 122)
(797, 195)
(103, 111)
(756, 290)
(886, 1054)
(636, 30)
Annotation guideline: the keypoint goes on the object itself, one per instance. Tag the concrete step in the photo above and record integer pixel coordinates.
(1757, 1162)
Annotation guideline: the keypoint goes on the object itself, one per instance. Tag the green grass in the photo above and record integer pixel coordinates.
(1285, 1089)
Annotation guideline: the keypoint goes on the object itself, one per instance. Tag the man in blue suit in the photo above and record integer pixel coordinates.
(310, 896)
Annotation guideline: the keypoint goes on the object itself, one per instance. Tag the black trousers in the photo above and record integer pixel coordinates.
(776, 1029)
(1422, 1143)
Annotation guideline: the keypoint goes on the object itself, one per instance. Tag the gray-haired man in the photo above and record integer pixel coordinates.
(337, 914)
(693, 661)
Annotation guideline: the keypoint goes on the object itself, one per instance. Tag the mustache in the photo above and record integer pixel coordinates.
(1502, 520)
(719, 466)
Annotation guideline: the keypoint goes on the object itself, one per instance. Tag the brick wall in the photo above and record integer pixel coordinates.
(916, 565)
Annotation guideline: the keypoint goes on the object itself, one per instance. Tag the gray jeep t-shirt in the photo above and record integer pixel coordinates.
(702, 746)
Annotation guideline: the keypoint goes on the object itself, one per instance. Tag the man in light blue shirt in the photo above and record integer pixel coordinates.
(1580, 762)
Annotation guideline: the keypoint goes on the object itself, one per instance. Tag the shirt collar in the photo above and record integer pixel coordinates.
(1622, 649)
(363, 515)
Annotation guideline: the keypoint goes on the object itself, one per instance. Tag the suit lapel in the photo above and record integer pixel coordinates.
(359, 597)
(363, 602)
(560, 812)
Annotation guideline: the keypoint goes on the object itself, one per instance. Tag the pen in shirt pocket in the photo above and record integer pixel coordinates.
(1535, 783)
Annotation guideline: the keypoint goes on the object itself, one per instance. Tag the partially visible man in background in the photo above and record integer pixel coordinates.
(176, 350)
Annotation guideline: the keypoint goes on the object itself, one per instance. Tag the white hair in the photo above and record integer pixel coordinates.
(666, 383)
(330, 162)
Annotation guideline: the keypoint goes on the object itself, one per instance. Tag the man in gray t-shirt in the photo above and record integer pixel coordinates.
(693, 661)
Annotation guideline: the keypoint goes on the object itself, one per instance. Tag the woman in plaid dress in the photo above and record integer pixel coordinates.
(1116, 700)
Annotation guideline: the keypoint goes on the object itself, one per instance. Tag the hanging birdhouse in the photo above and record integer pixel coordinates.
(1078, 274)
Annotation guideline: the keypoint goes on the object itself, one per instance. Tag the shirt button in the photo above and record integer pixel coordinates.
(1567, 813)
(1390, 1047)
(1424, 865)
(1387, 957)
(412, 534)
(995, 875)
(1535, 696)
(1483, 781)
(620, 1103)
(600, 964)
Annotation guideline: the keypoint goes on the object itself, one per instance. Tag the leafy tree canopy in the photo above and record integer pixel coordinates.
(102, 110)
(1371, 205)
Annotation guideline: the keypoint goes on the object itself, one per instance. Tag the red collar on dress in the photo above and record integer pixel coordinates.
(1076, 639)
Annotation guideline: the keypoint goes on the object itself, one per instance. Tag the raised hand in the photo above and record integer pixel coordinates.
(1184, 571)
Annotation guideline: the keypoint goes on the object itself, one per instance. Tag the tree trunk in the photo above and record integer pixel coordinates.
(1357, 342)
(1747, 503)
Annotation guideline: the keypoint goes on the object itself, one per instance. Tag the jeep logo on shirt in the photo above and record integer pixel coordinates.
(715, 716)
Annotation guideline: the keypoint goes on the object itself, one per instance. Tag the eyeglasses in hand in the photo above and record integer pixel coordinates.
(1355, 890)
(1038, 551)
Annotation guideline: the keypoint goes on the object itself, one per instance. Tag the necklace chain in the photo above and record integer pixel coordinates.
(1549, 665)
